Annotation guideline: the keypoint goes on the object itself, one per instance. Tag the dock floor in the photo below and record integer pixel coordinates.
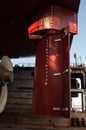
(6, 126)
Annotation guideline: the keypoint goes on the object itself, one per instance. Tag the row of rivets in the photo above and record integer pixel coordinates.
(75, 26)
(51, 18)
(46, 62)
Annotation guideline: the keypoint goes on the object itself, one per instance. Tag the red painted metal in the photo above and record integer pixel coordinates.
(51, 96)
(54, 17)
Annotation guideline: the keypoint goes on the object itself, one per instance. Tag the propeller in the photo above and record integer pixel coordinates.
(6, 76)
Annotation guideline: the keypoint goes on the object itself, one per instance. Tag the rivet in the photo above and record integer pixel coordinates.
(46, 75)
(46, 72)
(46, 83)
(46, 49)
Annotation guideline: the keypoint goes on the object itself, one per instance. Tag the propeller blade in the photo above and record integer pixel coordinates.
(6, 63)
(3, 98)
